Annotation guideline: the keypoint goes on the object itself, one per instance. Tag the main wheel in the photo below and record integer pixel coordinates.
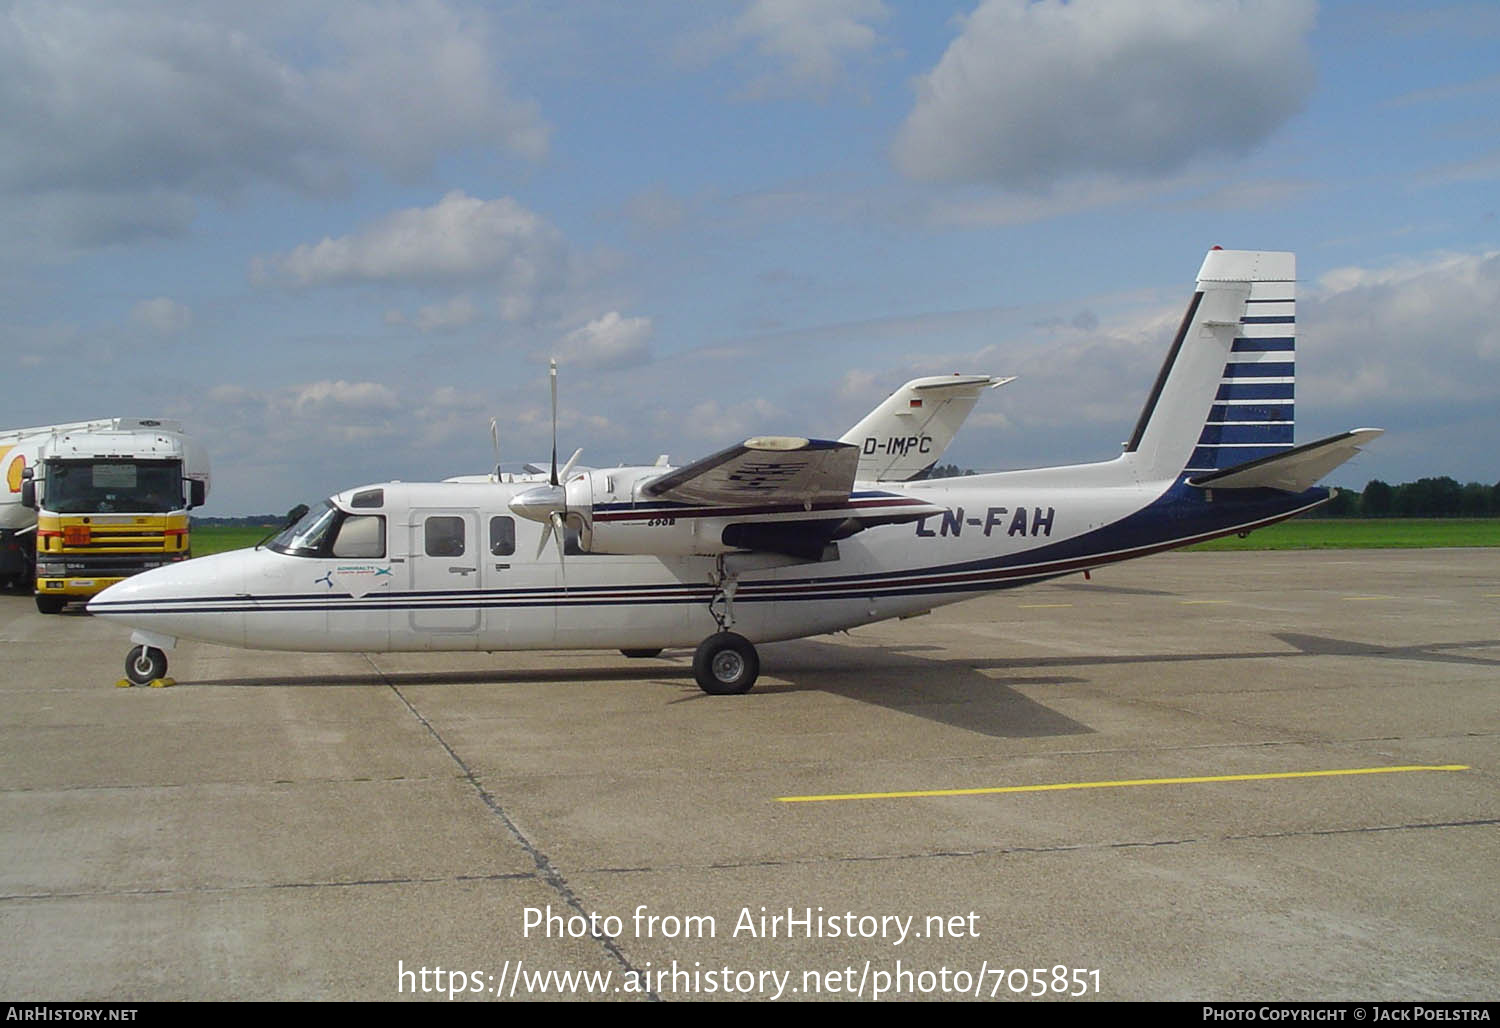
(50, 604)
(726, 664)
(143, 664)
(642, 653)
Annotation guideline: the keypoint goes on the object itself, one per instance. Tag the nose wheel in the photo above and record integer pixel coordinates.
(145, 664)
(726, 664)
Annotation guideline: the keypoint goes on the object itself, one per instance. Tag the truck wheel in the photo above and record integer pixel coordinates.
(726, 664)
(144, 664)
(50, 604)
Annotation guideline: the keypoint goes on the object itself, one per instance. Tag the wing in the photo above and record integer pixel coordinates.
(777, 494)
(766, 470)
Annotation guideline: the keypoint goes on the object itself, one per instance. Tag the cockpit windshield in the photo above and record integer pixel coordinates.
(308, 537)
(326, 531)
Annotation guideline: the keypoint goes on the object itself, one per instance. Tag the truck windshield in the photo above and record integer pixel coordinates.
(105, 487)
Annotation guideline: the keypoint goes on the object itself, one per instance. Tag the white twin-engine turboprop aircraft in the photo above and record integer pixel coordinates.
(775, 538)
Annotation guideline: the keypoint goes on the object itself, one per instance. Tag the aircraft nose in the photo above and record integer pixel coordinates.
(186, 600)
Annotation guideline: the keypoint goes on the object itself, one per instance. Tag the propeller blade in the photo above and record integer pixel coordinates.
(542, 543)
(568, 467)
(495, 439)
(554, 420)
(560, 526)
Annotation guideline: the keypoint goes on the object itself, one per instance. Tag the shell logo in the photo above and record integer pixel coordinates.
(13, 473)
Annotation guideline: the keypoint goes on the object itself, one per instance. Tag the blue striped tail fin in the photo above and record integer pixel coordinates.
(1252, 415)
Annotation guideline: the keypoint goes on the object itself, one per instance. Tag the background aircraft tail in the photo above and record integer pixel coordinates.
(906, 434)
(1225, 394)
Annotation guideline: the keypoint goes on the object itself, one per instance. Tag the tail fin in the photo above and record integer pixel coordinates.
(1225, 394)
(906, 434)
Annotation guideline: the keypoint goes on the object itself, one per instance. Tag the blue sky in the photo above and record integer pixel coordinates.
(336, 238)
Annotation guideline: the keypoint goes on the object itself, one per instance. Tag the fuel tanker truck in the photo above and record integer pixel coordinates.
(88, 503)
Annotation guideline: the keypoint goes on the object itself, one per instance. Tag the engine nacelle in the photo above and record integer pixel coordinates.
(654, 532)
(615, 519)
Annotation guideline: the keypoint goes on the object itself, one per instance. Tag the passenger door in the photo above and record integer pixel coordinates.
(445, 562)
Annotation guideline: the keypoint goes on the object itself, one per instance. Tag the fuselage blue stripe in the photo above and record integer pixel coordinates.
(1136, 535)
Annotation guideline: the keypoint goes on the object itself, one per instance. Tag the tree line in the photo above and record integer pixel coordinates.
(1425, 498)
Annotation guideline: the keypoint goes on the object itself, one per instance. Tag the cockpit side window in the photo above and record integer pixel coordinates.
(326, 531)
(360, 535)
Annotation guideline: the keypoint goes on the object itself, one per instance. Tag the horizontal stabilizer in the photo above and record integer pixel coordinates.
(1293, 471)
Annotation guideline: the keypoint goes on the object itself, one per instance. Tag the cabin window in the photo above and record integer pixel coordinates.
(502, 536)
(368, 498)
(361, 535)
(444, 536)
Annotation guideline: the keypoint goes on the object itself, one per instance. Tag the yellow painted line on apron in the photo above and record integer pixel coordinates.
(1191, 602)
(1062, 786)
(1358, 598)
(1040, 606)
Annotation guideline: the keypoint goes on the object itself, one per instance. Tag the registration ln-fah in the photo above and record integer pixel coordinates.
(776, 537)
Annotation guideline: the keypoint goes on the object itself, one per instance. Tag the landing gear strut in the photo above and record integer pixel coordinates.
(725, 663)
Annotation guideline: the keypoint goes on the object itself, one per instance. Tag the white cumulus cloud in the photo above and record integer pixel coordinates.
(810, 41)
(356, 395)
(116, 117)
(1032, 92)
(611, 341)
(460, 237)
(1424, 332)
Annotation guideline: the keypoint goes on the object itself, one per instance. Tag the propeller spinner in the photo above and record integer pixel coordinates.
(548, 504)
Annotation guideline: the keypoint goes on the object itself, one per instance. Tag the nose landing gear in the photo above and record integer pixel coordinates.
(146, 665)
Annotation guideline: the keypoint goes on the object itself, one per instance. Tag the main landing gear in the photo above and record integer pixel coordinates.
(725, 663)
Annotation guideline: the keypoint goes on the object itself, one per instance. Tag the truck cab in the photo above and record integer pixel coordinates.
(111, 502)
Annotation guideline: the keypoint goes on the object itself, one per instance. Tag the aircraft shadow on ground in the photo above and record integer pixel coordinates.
(976, 694)
(950, 692)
